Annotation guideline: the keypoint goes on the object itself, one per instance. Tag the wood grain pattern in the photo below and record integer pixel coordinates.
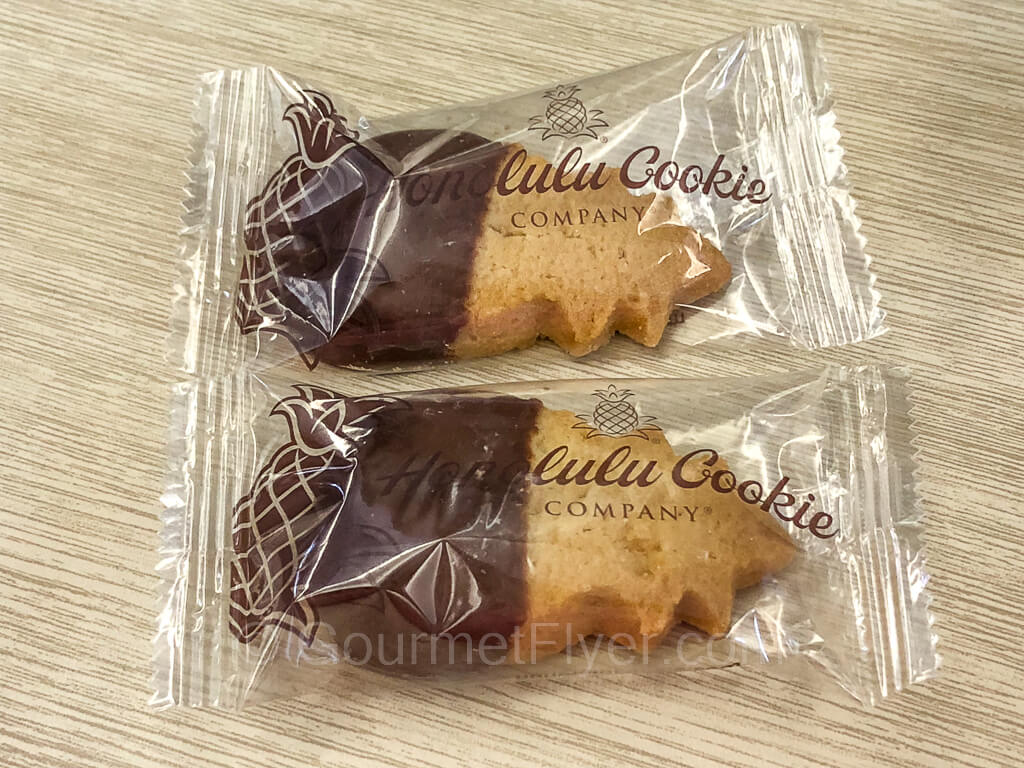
(94, 124)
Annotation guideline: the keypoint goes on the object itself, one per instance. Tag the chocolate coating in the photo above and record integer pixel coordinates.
(307, 237)
(363, 253)
(416, 304)
(432, 518)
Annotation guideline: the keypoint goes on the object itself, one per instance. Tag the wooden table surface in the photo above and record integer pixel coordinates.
(94, 121)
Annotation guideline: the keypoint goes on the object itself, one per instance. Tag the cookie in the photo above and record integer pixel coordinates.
(476, 515)
(429, 244)
(538, 272)
(632, 563)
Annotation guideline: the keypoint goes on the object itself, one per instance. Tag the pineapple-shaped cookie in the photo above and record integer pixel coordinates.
(615, 416)
(566, 116)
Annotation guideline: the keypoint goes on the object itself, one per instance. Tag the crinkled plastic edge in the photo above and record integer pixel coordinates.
(195, 659)
(889, 575)
(826, 269)
(177, 529)
(230, 143)
(919, 639)
(173, 561)
(227, 141)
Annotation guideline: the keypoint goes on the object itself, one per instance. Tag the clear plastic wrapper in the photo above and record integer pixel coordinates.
(697, 196)
(539, 528)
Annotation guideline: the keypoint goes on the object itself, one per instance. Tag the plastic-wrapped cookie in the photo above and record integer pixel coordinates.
(430, 244)
(490, 516)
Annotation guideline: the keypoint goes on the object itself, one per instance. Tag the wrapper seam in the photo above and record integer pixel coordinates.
(229, 136)
(832, 299)
(204, 431)
(211, 457)
(889, 577)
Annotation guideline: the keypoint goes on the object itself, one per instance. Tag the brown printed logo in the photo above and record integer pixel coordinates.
(615, 415)
(566, 117)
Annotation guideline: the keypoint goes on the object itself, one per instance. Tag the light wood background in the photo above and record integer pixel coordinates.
(94, 121)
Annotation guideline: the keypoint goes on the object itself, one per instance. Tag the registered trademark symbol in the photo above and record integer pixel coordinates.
(707, 510)
(604, 139)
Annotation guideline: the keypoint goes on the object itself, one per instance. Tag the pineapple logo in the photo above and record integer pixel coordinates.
(615, 416)
(566, 116)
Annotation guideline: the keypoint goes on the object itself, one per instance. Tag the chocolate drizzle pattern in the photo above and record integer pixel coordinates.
(412, 505)
(274, 524)
(309, 233)
(342, 257)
